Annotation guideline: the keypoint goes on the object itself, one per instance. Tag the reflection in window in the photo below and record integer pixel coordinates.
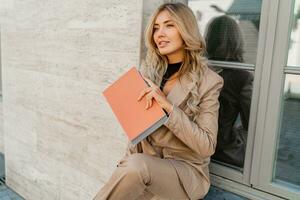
(287, 166)
(294, 50)
(245, 12)
(224, 42)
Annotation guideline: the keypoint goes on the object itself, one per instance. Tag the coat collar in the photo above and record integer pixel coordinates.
(180, 90)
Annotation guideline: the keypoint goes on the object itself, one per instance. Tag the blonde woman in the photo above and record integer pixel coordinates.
(172, 163)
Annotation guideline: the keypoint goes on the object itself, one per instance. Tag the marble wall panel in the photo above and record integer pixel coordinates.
(62, 141)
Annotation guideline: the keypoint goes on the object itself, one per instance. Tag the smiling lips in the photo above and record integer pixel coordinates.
(162, 44)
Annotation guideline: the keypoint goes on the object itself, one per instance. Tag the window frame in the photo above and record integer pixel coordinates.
(269, 73)
(268, 126)
(263, 34)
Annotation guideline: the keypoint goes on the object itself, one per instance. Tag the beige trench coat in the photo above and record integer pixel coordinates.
(188, 144)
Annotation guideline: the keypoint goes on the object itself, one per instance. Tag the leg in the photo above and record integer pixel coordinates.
(139, 173)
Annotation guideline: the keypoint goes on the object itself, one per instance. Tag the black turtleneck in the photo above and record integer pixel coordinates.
(172, 69)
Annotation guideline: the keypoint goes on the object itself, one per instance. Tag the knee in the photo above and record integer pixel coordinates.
(135, 166)
(136, 163)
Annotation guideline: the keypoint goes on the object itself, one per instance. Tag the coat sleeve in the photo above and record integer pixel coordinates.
(200, 135)
(131, 149)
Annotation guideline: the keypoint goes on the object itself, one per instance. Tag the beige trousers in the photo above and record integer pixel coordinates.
(140, 176)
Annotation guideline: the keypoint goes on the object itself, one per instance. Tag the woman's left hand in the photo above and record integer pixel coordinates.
(154, 92)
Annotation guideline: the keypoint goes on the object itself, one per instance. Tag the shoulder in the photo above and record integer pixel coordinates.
(211, 82)
(210, 78)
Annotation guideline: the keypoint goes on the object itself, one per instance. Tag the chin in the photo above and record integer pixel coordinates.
(164, 52)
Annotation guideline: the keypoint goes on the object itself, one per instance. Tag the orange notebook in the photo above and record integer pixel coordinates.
(136, 121)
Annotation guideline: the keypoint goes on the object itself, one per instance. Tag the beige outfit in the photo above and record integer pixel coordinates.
(172, 163)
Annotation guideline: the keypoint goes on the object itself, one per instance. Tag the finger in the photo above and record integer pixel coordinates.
(149, 96)
(143, 92)
(155, 93)
(151, 102)
(148, 104)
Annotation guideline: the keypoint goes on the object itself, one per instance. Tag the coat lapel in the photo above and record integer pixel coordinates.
(180, 90)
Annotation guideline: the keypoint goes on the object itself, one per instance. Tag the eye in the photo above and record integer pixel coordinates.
(170, 25)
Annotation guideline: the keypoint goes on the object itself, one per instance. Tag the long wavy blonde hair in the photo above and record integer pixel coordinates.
(155, 64)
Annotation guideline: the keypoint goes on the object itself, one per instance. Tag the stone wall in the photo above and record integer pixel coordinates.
(61, 139)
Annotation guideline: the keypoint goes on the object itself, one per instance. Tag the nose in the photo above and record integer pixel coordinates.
(160, 32)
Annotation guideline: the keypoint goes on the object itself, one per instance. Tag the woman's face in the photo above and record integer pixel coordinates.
(167, 37)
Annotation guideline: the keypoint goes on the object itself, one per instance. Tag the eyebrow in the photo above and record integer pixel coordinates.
(167, 21)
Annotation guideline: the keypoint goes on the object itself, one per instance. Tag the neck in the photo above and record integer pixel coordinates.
(176, 57)
(174, 60)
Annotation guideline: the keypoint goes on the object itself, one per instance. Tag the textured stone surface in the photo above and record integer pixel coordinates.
(61, 139)
(1, 128)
